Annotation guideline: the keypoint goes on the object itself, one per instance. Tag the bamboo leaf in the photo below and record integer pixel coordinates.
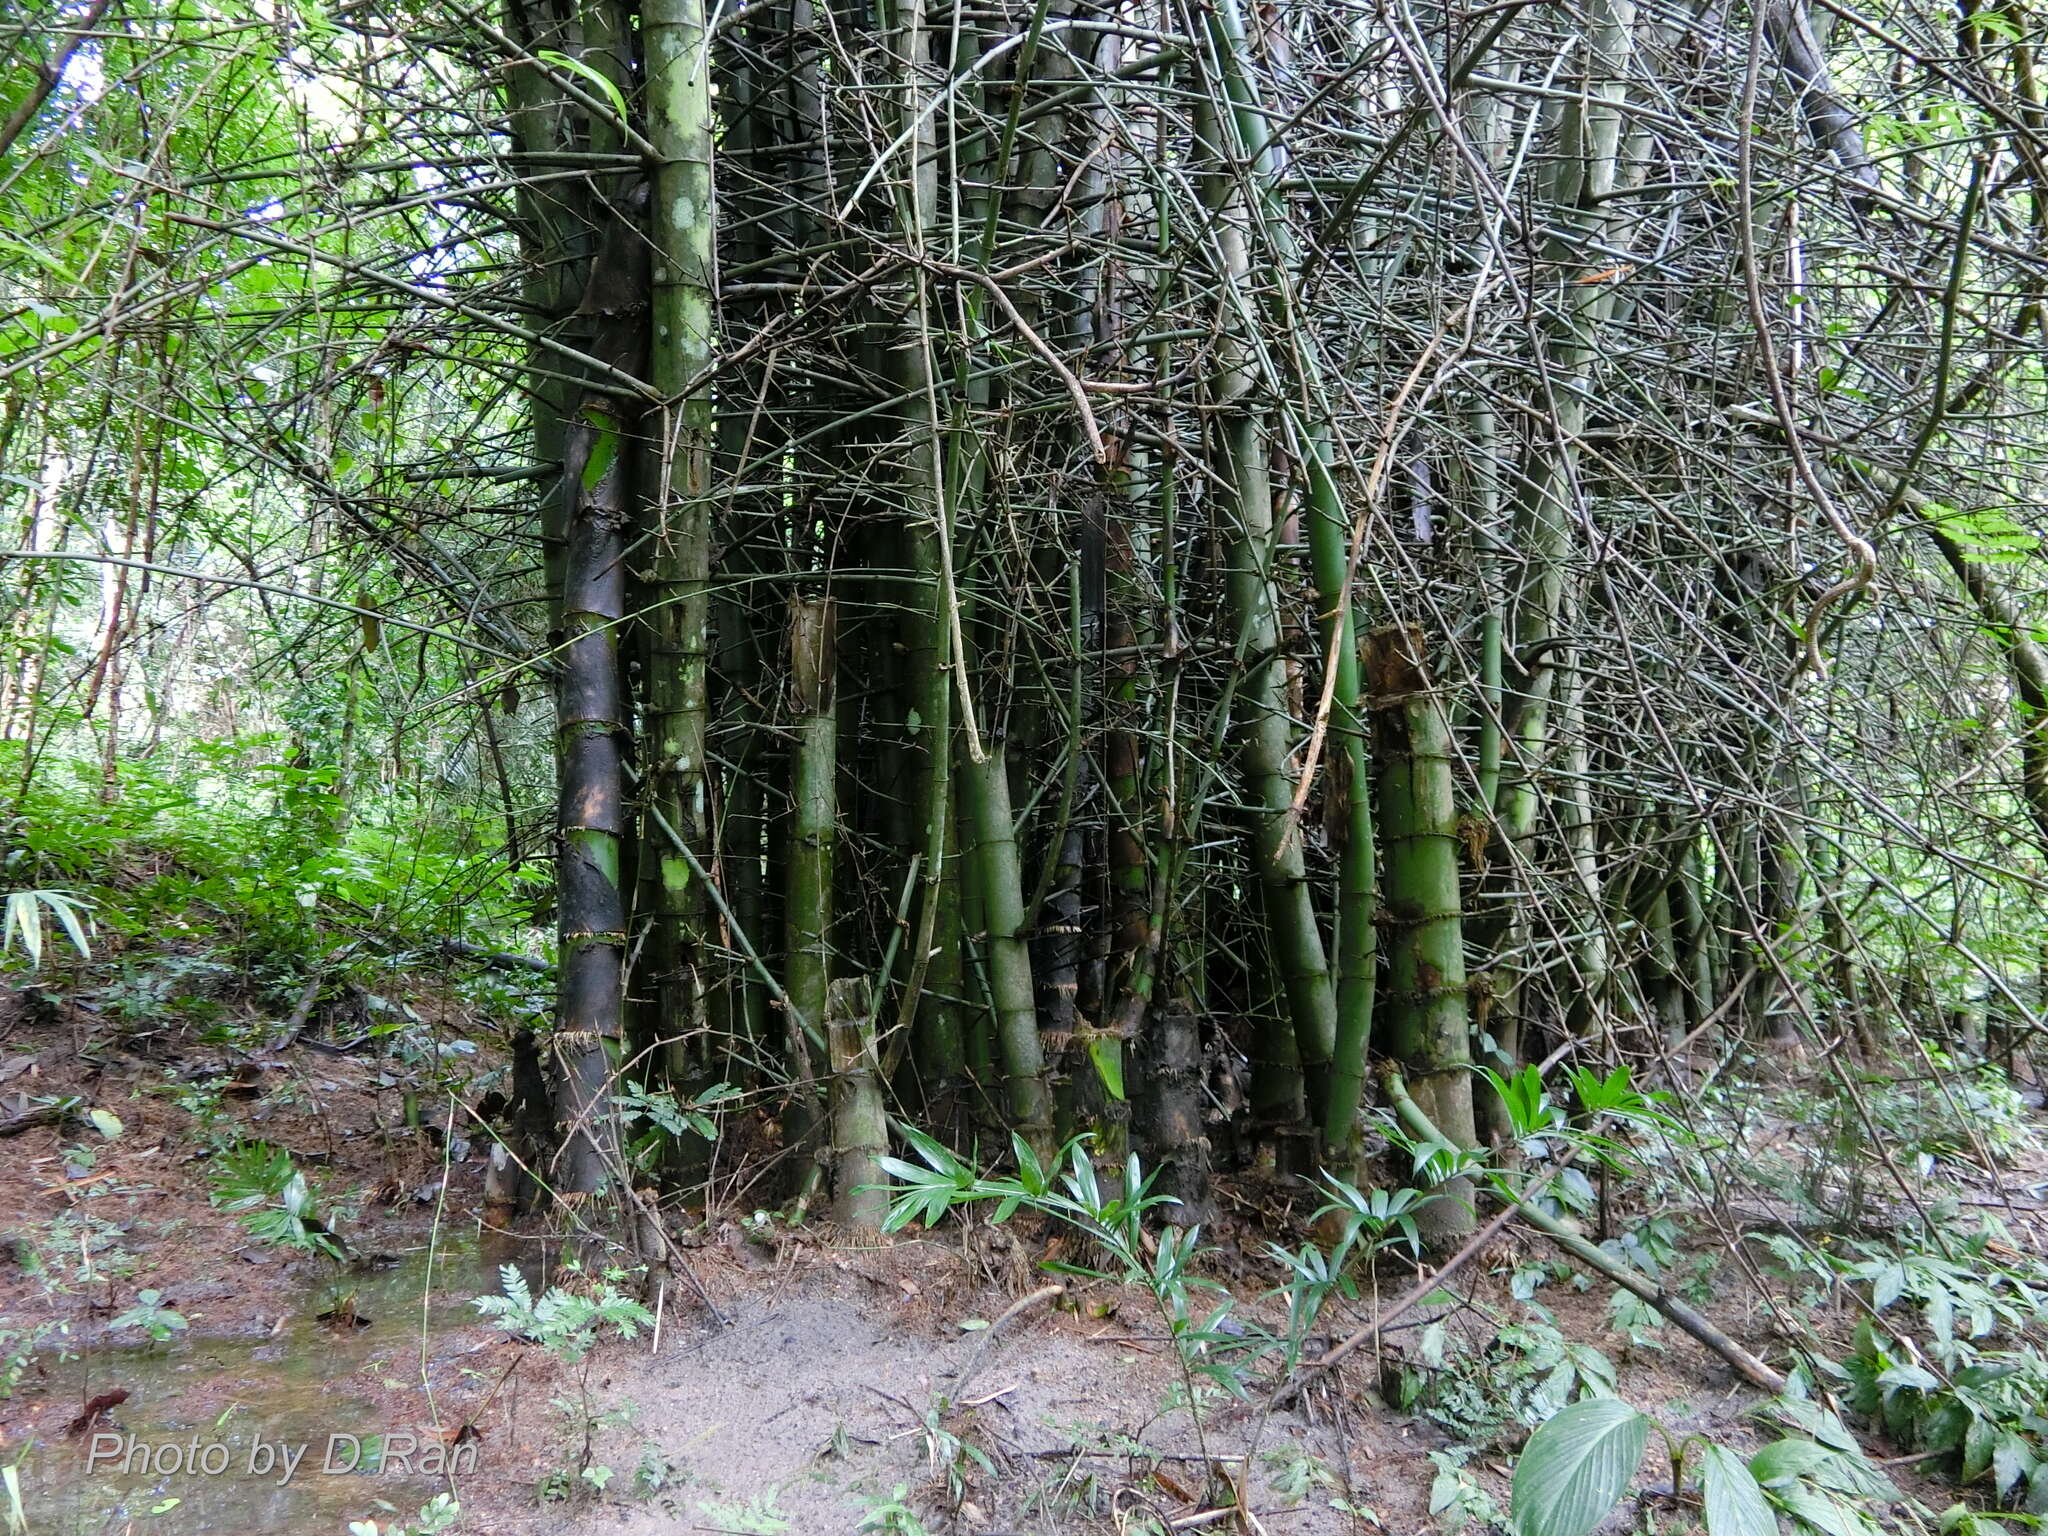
(69, 910)
(590, 75)
(24, 919)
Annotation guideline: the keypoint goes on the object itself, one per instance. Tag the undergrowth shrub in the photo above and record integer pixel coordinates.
(221, 868)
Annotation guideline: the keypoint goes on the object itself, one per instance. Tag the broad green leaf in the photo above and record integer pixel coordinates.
(23, 918)
(1817, 1422)
(106, 1122)
(2011, 1460)
(1029, 1171)
(1109, 1065)
(1576, 1467)
(1977, 1444)
(1906, 1374)
(1823, 1511)
(1783, 1460)
(1736, 1506)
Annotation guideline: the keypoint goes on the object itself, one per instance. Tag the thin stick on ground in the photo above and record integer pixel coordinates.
(1014, 1310)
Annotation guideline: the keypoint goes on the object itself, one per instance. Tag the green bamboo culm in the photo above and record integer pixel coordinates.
(814, 832)
(590, 708)
(948, 474)
(1347, 801)
(985, 788)
(1263, 721)
(1425, 1024)
(551, 269)
(860, 1123)
(682, 345)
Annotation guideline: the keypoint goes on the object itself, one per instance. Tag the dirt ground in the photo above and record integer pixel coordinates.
(908, 1385)
(832, 1382)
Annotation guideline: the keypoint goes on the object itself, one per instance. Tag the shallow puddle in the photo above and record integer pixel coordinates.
(302, 1428)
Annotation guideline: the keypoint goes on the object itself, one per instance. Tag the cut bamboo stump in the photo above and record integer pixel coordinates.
(860, 1126)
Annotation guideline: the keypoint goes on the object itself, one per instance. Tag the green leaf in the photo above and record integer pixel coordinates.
(1782, 1460)
(1576, 1467)
(1029, 1171)
(106, 1122)
(1823, 1511)
(594, 76)
(315, 17)
(2011, 1460)
(24, 919)
(1735, 1504)
(40, 257)
(67, 910)
(1977, 1442)
(1915, 1378)
(1817, 1422)
(1109, 1065)
(1997, 25)
(935, 1155)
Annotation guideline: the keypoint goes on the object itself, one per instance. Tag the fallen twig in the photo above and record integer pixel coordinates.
(1636, 1283)
(1595, 1258)
(1020, 1305)
(44, 1114)
(99, 1405)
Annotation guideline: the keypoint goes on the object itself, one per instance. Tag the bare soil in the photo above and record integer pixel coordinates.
(830, 1384)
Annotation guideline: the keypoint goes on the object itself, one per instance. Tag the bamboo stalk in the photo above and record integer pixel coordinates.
(1244, 466)
(680, 124)
(1426, 1027)
(590, 713)
(814, 832)
(860, 1123)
